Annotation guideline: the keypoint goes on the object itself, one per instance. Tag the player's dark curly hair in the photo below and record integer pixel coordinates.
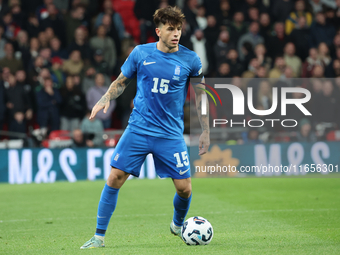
(171, 15)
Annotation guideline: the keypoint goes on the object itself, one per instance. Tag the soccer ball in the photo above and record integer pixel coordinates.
(197, 231)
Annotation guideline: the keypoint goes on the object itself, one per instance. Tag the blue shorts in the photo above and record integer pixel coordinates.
(170, 156)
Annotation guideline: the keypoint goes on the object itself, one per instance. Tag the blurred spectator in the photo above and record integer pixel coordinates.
(324, 105)
(116, 20)
(74, 65)
(42, 12)
(73, 21)
(33, 26)
(301, 38)
(238, 27)
(48, 101)
(235, 65)
(253, 15)
(89, 79)
(281, 9)
(23, 48)
(277, 41)
(201, 18)
(265, 26)
(311, 61)
(62, 5)
(2, 43)
(43, 40)
(223, 14)
(211, 32)
(20, 77)
(34, 47)
(319, 5)
(248, 52)
(259, 76)
(10, 27)
(321, 31)
(4, 8)
(73, 107)
(81, 44)
(56, 50)
(189, 11)
(292, 60)
(93, 131)
(300, 10)
(2, 105)
(19, 17)
(333, 70)
(305, 133)
(335, 45)
(186, 35)
(99, 64)
(94, 94)
(45, 54)
(223, 71)
(35, 70)
(252, 36)
(260, 54)
(222, 46)
(9, 60)
(279, 68)
(200, 46)
(19, 106)
(112, 33)
(144, 10)
(106, 44)
(324, 54)
(57, 74)
(54, 21)
(78, 139)
(318, 72)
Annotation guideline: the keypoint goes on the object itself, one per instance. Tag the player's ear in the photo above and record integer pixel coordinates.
(158, 31)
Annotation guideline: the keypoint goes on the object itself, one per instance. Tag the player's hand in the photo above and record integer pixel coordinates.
(97, 108)
(204, 143)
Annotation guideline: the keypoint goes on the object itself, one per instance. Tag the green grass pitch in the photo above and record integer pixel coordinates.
(249, 216)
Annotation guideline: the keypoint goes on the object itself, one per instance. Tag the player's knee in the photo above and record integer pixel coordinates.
(116, 178)
(184, 191)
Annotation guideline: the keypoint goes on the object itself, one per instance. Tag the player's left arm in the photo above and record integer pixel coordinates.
(204, 141)
(116, 88)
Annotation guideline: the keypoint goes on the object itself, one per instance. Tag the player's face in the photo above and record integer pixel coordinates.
(170, 35)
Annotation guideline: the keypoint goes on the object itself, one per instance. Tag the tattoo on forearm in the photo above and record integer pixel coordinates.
(115, 90)
(204, 119)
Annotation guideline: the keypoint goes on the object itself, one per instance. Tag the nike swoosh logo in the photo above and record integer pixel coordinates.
(148, 63)
(101, 217)
(183, 172)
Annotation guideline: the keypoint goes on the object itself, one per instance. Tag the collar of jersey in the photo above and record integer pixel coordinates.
(167, 54)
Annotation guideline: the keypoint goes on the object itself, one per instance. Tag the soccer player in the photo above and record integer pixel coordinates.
(156, 124)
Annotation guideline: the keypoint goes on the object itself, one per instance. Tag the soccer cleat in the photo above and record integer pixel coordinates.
(175, 230)
(94, 242)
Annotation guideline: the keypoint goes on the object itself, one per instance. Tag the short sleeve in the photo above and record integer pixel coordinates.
(196, 69)
(129, 68)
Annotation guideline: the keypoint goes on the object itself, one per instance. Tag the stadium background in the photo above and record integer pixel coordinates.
(57, 59)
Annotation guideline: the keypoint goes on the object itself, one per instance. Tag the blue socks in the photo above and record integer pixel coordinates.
(181, 209)
(107, 205)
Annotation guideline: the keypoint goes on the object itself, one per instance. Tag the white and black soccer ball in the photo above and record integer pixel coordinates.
(197, 231)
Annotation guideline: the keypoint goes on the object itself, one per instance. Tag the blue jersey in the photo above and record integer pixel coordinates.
(162, 85)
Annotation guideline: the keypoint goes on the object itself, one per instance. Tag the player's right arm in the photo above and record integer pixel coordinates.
(129, 71)
(116, 88)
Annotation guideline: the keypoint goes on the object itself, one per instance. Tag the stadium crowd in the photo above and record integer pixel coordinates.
(58, 57)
